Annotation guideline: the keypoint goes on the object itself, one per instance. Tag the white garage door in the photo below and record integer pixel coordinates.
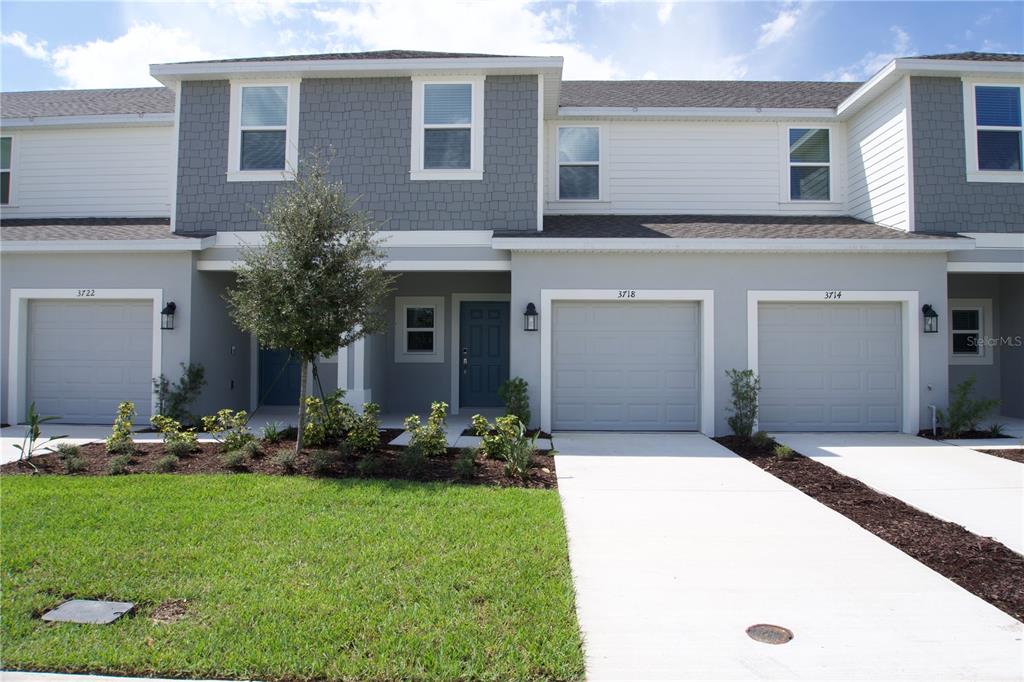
(625, 366)
(84, 357)
(830, 367)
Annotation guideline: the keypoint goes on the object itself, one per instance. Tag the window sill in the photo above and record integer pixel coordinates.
(971, 359)
(440, 174)
(995, 176)
(260, 176)
(569, 203)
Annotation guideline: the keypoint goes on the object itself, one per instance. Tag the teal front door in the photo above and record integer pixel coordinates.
(279, 378)
(483, 352)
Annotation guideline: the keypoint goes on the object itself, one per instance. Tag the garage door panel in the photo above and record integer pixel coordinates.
(830, 366)
(625, 366)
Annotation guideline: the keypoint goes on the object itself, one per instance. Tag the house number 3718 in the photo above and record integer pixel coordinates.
(627, 293)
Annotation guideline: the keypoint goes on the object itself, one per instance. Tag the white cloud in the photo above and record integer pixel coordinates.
(872, 62)
(649, 76)
(36, 50)
(124, 61)
(250, 12)
(664, 13)
(780, 27)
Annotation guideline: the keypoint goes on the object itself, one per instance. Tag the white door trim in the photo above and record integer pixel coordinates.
(910, 333)
(706, 298)
(18, 343)
(456, 316)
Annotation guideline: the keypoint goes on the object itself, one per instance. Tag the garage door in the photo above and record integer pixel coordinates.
(625, 366)
(830, 367)
(86, 357)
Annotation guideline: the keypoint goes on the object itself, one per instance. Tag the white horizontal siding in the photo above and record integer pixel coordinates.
(92, 172)
(692, 167)
(877, 161)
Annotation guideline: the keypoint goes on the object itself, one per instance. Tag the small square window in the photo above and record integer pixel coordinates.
(419, 334)
(966, 330)
(263, 131)
(994, 135)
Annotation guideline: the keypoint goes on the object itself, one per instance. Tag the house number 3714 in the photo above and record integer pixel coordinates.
(833, 295)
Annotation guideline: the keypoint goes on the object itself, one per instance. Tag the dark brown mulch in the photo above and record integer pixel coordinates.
(982, 566)
(389, 465)
(1012, 454)
(170, 611)
(963, 435)
(529, 434)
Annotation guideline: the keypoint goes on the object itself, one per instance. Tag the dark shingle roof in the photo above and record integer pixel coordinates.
(976, 56)
(86, 102)
(712, 227)
(376, 54)
(744, 94)
(64, 229)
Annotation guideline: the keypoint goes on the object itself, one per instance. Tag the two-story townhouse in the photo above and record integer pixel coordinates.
(618, 244)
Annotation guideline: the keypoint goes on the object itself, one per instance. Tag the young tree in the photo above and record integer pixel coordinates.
(318, 282)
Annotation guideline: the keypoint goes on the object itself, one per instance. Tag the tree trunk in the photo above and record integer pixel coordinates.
(303, 388)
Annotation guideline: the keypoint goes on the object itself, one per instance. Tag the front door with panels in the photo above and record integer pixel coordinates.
(280, 376)
(483, 352)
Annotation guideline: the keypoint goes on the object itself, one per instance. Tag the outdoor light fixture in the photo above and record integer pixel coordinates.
(931, 319)
(167, 316)
(530, 318)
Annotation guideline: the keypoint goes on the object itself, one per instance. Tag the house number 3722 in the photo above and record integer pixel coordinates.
(86, 293)
(833, 295)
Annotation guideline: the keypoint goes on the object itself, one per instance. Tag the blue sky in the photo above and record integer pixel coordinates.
(48, 45)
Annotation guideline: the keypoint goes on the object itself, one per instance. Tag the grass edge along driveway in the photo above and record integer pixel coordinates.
(290, 578)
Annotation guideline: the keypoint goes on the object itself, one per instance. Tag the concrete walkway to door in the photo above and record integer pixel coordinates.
(982, 493)
(677, 546)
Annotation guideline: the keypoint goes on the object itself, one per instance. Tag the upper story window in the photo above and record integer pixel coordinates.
(6, 150)
(997, 133)
(263, 143)
(810, 164)
(579, 163)
(448, 129)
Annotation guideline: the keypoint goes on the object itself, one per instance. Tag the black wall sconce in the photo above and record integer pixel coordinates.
(931, 319)
(167, 316)
(530, 318)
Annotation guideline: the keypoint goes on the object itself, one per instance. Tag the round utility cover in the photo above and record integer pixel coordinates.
(769, 634)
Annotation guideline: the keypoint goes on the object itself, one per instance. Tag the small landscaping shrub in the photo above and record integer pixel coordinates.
(65, 450)
(965, 413)
(177, 441)
(745, 386)
(429, 439)
(365, 433)
(251, 449)
(173, 400)
(229, 428)
(762, 440)
(328, 419)
(997, 431)
(120, 439)
(413, 461)
(465, 463)
(167, 464)
(178, 449)
(272, 433)
(514, 393)
(323, 461)
(784, 452)
(118, 465)
(497, 440)
(33, 442)
(517, 455)
(233, 459)
(370, 465)
(286, 460)
(73, 464)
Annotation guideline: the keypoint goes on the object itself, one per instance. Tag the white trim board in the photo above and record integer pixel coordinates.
(91, 121)
(706, 298)
(960, 266)
(910, 333)
(19, 335)
(107, 245)
(457, 300)
(709, 245)
(389, 238)
(997, 240)
(393, 265)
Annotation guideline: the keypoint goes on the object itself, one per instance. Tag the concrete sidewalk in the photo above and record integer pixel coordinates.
(677, 546)
(982, 493)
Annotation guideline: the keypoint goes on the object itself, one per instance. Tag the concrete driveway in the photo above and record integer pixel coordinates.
(677, 546)
(982, 493)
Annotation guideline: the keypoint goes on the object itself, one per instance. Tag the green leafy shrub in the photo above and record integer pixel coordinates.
(120, 439)
(73, 464)
(371, 464)
(965, 413)
(232, 459)
(784, 452)
(498, 440)
(177, 441)
(118, 466)
(515, 394)
(997, 431)
(33, 442)
(323, 461)
(327, 419)
(229, 428)
(167, 464)
(178, 449)
(365, 433)
(762, 440)
(430, 439)
(465, 463)
(272, 433)
(286, 460)
(518, 454)
(173, 400)
(745, 386)
(251, 449)
(65, 450)
(413, 461)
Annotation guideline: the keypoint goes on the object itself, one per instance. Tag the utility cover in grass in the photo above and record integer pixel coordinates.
(89, 611)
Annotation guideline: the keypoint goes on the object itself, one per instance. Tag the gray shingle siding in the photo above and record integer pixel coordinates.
(943, 199)
(368, 123)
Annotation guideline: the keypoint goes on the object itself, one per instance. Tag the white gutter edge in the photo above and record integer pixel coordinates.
(697, 245)
(692, 112)
(106, 245)
(98, 120)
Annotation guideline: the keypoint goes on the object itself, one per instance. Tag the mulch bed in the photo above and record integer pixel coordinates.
(207, 460)
(963, 435)
(982, 566)
(1012, 454)
(529, 434)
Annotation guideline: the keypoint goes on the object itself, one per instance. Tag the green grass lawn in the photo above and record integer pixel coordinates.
(290, 578)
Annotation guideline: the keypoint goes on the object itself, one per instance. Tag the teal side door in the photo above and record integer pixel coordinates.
(483, 352)
(279, 378)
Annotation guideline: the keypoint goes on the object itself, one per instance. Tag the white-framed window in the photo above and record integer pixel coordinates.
(448, 129)
(579, 163)
(6, 164)
(264, 130)
(419, 329)
(809, 164)
(970, 325)
(994, 132)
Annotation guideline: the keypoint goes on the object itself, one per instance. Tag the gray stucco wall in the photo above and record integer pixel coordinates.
(368, 123)
(168, 272)
(731, 276)
(987, 377)
(943, 199)
(1011, 306)
(218, 345)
